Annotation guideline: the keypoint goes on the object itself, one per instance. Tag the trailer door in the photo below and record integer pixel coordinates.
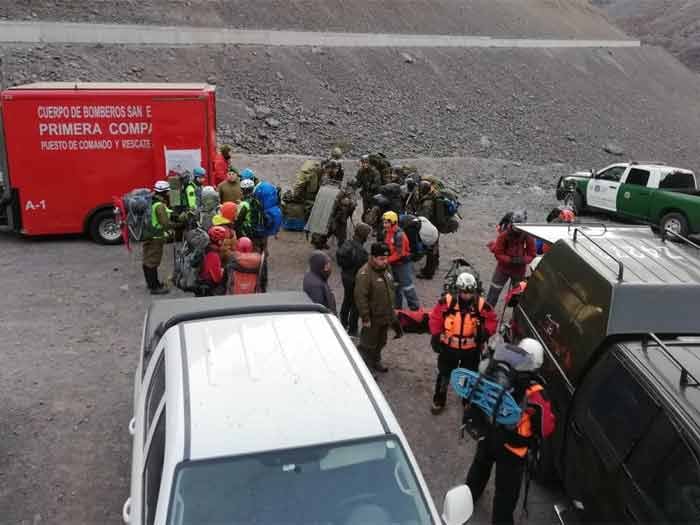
(179, 132)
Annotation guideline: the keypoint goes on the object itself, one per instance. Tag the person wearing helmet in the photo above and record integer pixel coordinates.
(400, 261)
(373, 296)
(508, 447)
(245, 268)
(460, 326)
(193, 189)
(211, 274)
(343, 207)
(560, 214)
(160, 226)
(249, 221)
(368, 180)
(209, 207)
(249, 174)
(230, 188)
(513, 251)
(223, 219)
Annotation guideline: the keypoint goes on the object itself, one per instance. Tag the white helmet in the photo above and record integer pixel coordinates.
(535, 351)
(247, 184)
(161, 186)
(466, 282)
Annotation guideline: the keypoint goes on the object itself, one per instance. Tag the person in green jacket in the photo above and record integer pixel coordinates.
(374, 299)
(193, 190)
(160, 226)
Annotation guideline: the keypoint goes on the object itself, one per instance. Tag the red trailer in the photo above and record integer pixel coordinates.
(67, 148)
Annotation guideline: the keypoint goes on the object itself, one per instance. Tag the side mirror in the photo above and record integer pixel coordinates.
(458, 506)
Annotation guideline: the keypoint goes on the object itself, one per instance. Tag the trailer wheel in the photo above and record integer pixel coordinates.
(104, 228)
(676, 222)
(574, 200)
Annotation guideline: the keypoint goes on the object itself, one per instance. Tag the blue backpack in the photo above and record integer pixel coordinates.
(268, 195)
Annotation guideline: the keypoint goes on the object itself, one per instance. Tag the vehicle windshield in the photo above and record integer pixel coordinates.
(351, 483)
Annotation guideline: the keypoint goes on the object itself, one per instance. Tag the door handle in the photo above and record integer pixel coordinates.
(612, 186)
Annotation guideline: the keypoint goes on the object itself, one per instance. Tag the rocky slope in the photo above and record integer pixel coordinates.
(672, 24)
(538, 106)
(533, 18)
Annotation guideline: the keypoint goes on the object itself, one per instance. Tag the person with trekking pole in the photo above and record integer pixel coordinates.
(513, 449)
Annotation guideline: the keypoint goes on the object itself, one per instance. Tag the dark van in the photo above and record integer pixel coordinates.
(617, 310)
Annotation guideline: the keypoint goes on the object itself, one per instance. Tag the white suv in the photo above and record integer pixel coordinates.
(259, 409)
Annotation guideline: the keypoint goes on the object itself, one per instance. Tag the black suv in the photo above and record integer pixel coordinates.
(617, 310)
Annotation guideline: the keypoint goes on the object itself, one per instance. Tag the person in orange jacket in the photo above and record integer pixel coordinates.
(400, 262)
(460, 325)
(245, 269)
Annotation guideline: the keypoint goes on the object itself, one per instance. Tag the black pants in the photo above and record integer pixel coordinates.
(348, 311)
(509, 475)
(448, 360)
(432, 261)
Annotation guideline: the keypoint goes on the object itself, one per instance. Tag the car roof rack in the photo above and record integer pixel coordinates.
(620, 266)
(686, 376)
(664, 233)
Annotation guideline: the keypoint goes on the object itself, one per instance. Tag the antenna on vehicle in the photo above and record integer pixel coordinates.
(685, 374)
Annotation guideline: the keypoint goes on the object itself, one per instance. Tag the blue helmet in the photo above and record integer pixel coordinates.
(199, 172)
(247, 174)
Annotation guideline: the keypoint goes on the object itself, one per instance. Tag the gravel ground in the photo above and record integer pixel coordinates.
(71, 325)
(536, 106)
(532, 18)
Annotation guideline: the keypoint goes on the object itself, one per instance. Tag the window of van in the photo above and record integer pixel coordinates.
(619, 409)
(677, 180)
(153, 471)
(668, 472)
(156, 391)
(638, 177)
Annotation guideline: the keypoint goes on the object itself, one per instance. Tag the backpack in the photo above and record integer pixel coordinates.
(380, 162)
(137, 206)
(188, 259)
(458, 266)
(346, 255)
(268, 196)
(446, 211)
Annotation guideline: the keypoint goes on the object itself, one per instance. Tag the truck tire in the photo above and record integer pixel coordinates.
(104, 229)
(676, 222)
(574, 200)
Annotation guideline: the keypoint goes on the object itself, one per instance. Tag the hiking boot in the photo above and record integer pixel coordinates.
(160, 291)
(436, 408)
(379, 367)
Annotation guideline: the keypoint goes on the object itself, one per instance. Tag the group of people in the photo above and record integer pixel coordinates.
(461, 325)
(230, 217)
(377, 281)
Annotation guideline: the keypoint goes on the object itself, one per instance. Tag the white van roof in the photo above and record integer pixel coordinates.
(272, 381)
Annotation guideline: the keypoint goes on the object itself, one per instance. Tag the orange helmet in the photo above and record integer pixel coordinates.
(244, 245)
(229, 210)
(217, 234)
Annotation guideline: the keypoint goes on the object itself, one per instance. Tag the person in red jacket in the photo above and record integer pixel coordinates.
(513, 250)
(211, 275)
(460, 325)
(222, 162)
(400, 262)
